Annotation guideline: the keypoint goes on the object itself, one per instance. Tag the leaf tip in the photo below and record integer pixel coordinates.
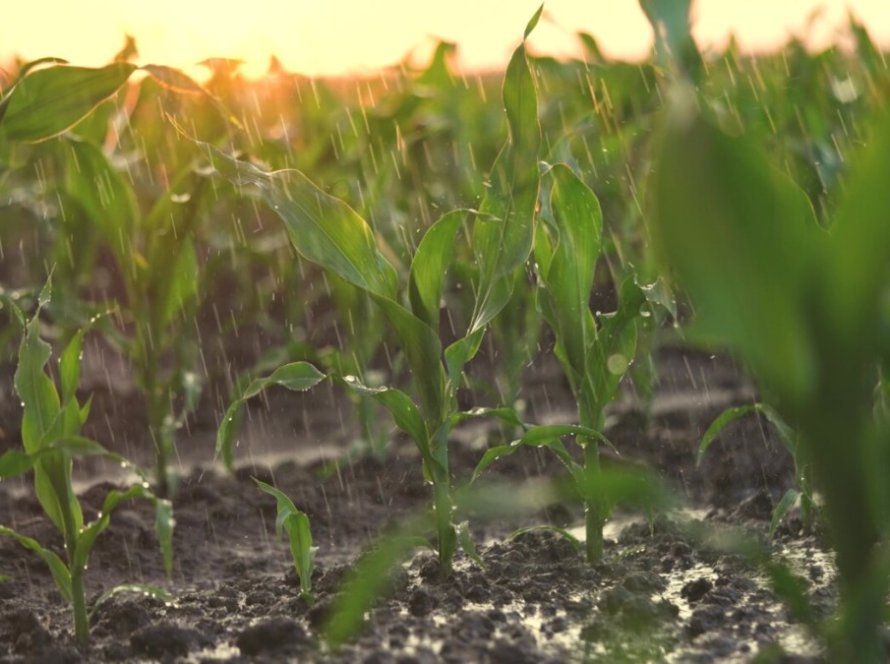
(532, 22)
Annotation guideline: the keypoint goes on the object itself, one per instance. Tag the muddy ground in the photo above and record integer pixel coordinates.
(660, 594)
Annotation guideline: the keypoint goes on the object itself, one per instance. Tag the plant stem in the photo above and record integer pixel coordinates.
(446, 537)
(79, 605)
(839, 414)
(70, 534)
(157, 408)
(594, 509)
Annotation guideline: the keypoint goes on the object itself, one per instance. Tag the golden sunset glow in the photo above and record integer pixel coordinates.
(354, 36)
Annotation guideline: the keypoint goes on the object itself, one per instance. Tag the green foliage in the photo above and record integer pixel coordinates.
(46, 102)
(327, 231)
(593, 359)
(51, 437)
(98, 189)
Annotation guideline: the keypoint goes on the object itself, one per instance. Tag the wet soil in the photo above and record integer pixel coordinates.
(663, 592)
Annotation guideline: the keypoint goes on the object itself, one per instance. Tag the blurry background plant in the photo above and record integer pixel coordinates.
(801, 306)
(144, 238)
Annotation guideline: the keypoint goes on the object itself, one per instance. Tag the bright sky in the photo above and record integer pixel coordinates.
(355, 36)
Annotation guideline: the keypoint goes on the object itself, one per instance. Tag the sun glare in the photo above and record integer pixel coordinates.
(352, 37)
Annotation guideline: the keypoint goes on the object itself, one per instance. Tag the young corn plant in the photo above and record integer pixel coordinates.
(802, 494)
(157, 257)
(326, 231)
(806, 310)
(594, 354)
(51, 439)
(296, 524)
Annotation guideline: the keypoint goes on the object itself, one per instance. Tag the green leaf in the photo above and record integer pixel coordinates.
(86, 537)
(741, 239)
(859, 269)
(8, 302)
(35, 388)
(322, 228)
(491, 455)
(404, 411)
(296, 376)
(60, 572)
(42, 422)
(567, 265)
(465, 538)
(671, 22)
(46, 293)
(574, 541)
(502, 235)
(614, 349)
(225, 435)
(105, 195)
(14, 463)
(69, 366)
(459, 353)
(182, 285)
(429, 265)
(295, 523)
(782, 508)
(718, 425)
(542, 436)
(371, 576)
(503, 413)
(786, 433)
(533, 21)
(423, 350)
(49, 101)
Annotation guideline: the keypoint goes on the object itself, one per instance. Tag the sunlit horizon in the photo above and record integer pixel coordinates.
(345, 37)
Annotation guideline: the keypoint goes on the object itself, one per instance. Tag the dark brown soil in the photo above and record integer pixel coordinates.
(660, 594)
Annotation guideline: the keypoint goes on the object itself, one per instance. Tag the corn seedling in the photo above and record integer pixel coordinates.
(803, 493)
(295, 524)
(326, 231)
(51, 439)
(594, 356)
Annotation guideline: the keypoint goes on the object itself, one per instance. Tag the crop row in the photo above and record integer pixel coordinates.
(627, 186)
